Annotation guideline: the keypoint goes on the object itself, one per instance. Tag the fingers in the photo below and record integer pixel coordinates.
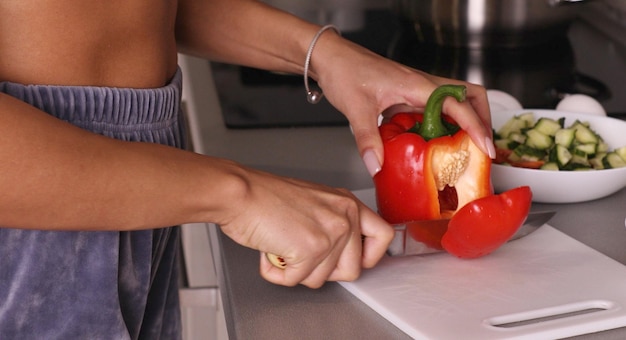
(474, 117)
(339, 263)
(369, 143)
(342, 264)
(362, 247)
(376, 237)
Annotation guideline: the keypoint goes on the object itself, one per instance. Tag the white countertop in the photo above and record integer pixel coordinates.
(257, 309)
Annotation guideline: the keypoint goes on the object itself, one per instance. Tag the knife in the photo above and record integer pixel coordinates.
(404, 242)
(424, 237)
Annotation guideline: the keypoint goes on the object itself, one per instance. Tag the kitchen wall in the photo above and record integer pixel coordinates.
(347, 15)
(617, 4)
(615, 10)
(609, 16)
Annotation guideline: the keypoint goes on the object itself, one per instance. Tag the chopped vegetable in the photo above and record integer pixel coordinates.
(613, 160)
(483, 225)
(547, 144)
(433, 171)
(431, 166)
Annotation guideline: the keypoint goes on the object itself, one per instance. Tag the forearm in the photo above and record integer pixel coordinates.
(357, 82)
(244, 32)
(57, 176)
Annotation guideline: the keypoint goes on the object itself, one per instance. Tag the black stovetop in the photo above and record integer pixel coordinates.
(585, 61)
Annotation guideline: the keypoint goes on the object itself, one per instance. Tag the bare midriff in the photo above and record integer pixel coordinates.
(120, 43)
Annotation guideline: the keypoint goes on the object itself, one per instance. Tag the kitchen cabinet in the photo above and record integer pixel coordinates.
(201, 304)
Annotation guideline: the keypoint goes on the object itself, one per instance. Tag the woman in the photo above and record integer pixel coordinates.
(92, 179)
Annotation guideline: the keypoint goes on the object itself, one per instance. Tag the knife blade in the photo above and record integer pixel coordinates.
(424, 237)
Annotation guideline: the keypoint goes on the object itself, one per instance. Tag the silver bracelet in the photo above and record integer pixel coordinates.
(314, 97)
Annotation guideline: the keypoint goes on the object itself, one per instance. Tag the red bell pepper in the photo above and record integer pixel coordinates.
(433, 170)
(483, 225)
(431, 166)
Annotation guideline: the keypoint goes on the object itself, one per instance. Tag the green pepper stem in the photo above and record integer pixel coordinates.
(433, 126)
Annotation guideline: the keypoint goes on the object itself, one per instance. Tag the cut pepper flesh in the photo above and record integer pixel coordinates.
(423, 180)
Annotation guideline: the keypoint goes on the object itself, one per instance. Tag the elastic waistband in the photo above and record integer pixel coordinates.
(102, 109)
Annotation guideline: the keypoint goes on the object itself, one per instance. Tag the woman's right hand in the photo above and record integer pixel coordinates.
(322, 233)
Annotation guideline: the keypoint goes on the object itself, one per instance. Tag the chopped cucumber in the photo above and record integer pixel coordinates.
(512, 125)
(596, 162)
(528, 118)
(528, 153)
(575, 147)
(565, 137)
(513, 157)
(505, 144)
(580, 160)
(517, 137)
(538, 140)
(548, 126)
(550, 166)
(502, 143)
(572, 166)
(562, 156)
(621, 152)
(588, 149)
(584, 134)
(516, 124)
(613, 160)
(602, 147)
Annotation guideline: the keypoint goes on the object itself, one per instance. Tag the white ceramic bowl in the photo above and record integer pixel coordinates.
(564, 186)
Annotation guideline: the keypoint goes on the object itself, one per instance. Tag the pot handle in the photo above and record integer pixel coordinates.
(582, 84)
(554, 3)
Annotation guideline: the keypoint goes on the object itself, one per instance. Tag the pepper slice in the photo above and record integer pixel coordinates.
(483, 225)
(431, 167)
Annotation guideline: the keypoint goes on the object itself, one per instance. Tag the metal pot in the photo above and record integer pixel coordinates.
(489, 23)
(539, 75)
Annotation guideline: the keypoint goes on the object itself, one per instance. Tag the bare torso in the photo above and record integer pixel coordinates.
(125, 43)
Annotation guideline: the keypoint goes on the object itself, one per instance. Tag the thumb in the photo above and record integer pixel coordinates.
(369, 143)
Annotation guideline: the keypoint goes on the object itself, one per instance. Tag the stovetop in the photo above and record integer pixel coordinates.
(585, 61)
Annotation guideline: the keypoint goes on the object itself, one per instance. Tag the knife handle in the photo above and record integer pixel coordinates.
(276, 261)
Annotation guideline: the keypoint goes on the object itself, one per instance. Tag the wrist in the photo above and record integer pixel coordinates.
(314, 96)
(320, 50)
(227, 186)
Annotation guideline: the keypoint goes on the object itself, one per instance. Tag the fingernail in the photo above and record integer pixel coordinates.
(491, 149)
(371, 162)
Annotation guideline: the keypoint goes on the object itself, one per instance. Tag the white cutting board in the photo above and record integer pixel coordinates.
(547, 273)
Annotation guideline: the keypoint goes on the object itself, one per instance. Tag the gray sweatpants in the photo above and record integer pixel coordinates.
(95, 285)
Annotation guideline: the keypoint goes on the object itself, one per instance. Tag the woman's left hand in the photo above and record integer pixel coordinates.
(363, 85)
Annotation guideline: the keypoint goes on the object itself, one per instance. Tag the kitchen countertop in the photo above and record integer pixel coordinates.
(256, 309)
